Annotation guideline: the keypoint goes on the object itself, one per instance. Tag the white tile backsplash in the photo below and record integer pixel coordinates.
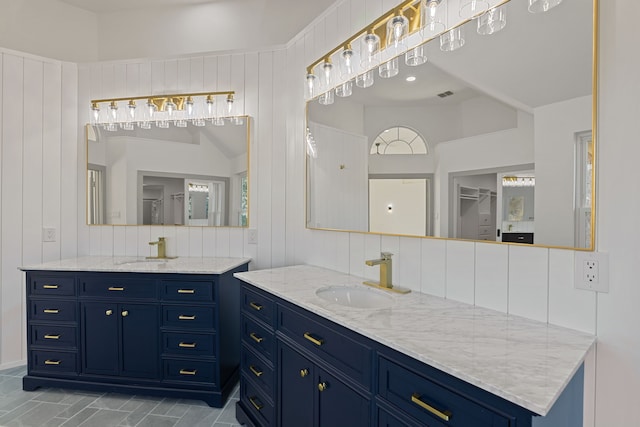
(460, 271)
(434, 267)
(528, 282)
(492, 277)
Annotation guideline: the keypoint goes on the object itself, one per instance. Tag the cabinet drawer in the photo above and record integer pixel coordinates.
(188, 317)
(332, 344)
(54, 362)
(54, 310)
(257, 404)
(193, 371)
(518, 237)
(259, 371)
(258, 305)
(53, 336)
(484, 219)
(430, 402)
(183, 290)
(52, 285)
(188, 344)
(123, 288)
(257, 337)
(484, 230)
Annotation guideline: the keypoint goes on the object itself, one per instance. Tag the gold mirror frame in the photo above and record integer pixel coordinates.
(594, 117)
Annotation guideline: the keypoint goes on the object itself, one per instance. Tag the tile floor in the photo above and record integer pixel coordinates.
(55, 407)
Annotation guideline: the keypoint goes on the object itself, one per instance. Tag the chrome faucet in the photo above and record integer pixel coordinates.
(162, 249)
(385, 273)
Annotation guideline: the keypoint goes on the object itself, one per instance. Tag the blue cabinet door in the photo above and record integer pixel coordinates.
(339, 405)
(296, 388)
(140, 340)
(100, 345)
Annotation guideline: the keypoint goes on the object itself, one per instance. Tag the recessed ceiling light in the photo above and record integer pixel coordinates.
(411, 79)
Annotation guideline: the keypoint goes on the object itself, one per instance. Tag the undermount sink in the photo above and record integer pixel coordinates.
(355, 296)
(142, 260)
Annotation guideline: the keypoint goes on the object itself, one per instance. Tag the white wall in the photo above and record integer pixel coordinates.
(530, 281)
(556, 130)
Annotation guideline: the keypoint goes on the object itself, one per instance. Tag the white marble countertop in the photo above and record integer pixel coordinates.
(523, 361)
(123, 264)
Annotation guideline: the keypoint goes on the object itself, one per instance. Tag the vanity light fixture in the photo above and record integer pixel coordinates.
(518, 181)
(403, 30)
(164, 110)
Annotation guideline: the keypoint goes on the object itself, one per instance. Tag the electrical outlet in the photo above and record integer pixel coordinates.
(252, 236)
(592, 271)
(48, 234)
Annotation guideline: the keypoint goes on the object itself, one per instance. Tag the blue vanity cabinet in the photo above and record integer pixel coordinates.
(165, 334)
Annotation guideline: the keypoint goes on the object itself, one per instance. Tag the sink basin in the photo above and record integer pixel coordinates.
(141, 261)
(355, 296)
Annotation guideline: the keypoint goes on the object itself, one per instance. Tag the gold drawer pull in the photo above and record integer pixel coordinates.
(255, 403)
(183, 317)
(415, 398)
(187, 345)
(188, 371)
(322, 386)
(255, 337)
(316, 341)
(186, 291)
(255, 371)
(115, 288)
(51, 311)
(52, 362)
(50, 287)
(255, 306)
(304, 372)
(52, 337)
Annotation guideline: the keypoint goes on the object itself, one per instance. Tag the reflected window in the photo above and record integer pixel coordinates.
(244, 200)
(584, 188)
(96, 209)
(399, 140)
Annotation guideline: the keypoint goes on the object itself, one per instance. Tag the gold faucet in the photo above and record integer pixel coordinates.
(162, 249)
(385, 274)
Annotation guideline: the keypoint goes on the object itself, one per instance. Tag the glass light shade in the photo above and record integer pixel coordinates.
(131, 108)
(181, 123)
(345, 89)
(397, 28)
(326, 98)
(144, 125)
(127, 126)
(493, 21)
(229, 105)
(218, 121)
(431, 18)
(238, 120)
(189, 107)
(326, 77)
(365, 80)
(452, 39)
(209, 107)
(170, 108)
(113, 111)
(415, 56)
(199, 122)
(310, 86)
(537, 6)
(151, 109)
(369, 51)
(389, 68)
(472, 8)
(347, 63)
(95, 113)
(164, 124)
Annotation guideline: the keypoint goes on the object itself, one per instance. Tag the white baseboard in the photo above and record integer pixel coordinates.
(11, 365)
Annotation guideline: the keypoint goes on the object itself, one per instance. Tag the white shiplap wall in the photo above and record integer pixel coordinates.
(39, 176)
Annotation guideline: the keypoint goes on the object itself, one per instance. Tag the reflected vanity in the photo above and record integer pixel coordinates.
(192, 175)
(488, 116)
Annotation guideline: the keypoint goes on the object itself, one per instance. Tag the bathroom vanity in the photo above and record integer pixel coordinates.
(321, 349)
(133, 325)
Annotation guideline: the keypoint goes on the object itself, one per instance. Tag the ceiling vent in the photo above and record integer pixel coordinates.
(445, 94)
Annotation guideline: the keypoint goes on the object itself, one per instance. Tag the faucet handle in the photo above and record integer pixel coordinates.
(386, 255)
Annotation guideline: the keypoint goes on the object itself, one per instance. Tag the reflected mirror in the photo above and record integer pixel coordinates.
(193, 175)
(491, 141)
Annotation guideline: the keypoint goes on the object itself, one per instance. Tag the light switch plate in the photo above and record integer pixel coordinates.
(48, 234)
(252, 236)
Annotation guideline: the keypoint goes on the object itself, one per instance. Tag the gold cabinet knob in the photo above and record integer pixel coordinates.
(304, 372)
(108, 312)
(322, 386)
(125, 313)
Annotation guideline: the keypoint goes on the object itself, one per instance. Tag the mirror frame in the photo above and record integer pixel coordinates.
(595, 137)
(247, 120)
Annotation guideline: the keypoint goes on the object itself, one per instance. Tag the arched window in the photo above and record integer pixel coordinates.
(399, 140)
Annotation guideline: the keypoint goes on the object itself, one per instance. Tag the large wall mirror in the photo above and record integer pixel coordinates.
(491, 141)
(193, 175)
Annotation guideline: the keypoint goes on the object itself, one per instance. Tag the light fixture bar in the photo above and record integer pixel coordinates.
(409, 8)
(183, 96)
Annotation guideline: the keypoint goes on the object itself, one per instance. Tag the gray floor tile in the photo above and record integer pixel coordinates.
(80, 417)
(157, 421)
(111, 401)
(104, 418)
(198, 416)
(38, 416)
